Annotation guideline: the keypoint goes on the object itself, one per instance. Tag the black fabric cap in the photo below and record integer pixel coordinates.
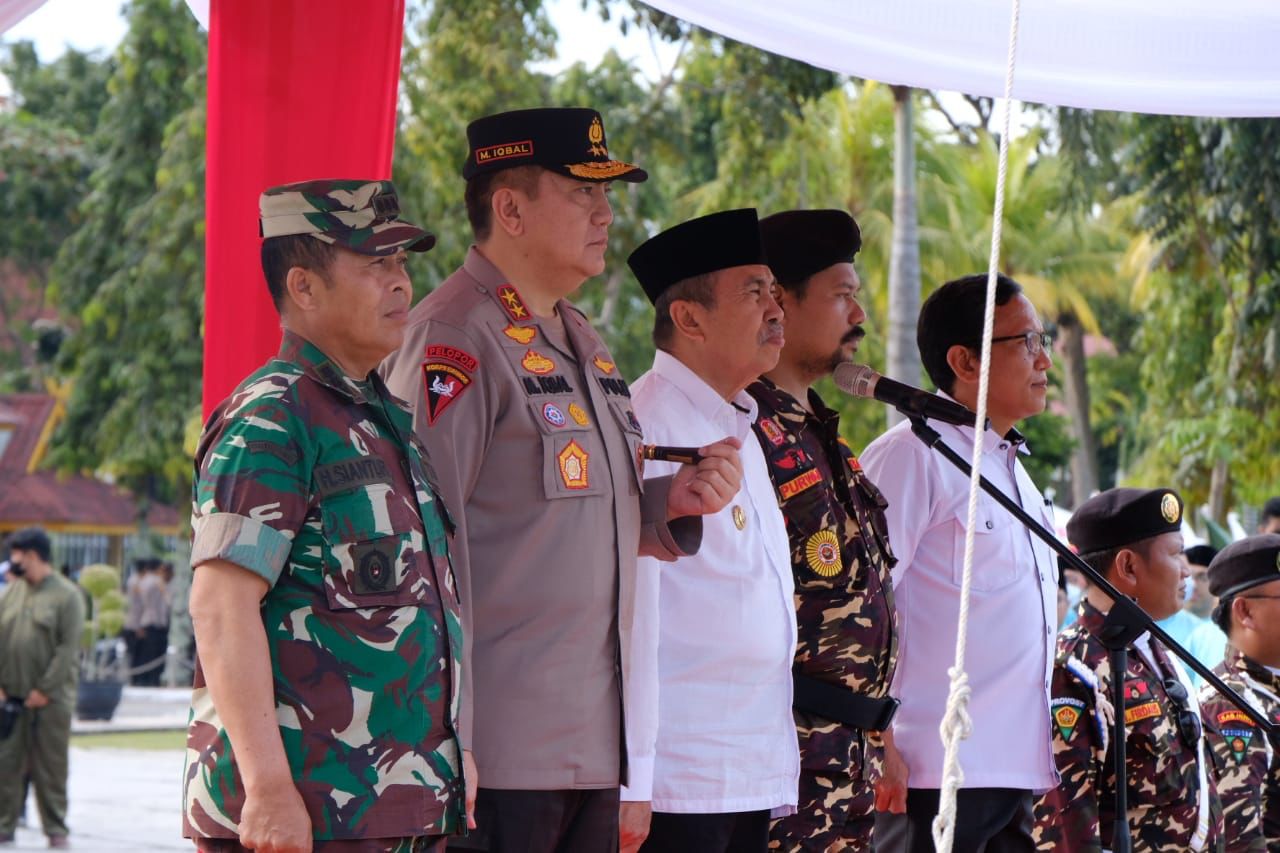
(567, 140)
(1245, 564)
(718, 241)
(1119, 517)
(1200, 555)
(800, 243)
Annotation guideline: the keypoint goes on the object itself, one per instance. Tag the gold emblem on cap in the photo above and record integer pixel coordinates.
(595, 135)
(1278, 561)
(739, 518)
(1169, 508)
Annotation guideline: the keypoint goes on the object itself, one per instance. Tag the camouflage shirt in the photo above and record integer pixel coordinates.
(1162, 736)
(314, 481)
(840, 558)
(1250, 780)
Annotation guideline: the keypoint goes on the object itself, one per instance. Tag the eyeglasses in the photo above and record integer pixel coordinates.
(1188, 722)
(1035, 342)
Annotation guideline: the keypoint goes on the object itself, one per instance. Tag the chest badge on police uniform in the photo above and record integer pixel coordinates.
(606, 366)
(822, 552)
(739, 518)
(537, 363)
(573, 466)
(579, 415)
(520, 334)
(512, 303)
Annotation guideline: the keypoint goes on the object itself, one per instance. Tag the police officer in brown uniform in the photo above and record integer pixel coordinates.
(847, 638)
(529, 426)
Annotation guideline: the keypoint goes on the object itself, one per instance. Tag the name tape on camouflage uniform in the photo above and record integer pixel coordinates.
(1145, 711)
(807, 480)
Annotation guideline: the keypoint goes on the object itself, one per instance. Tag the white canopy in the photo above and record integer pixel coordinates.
(1190, 57)
(1193, 57)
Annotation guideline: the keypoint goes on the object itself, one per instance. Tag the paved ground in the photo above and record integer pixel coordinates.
(124, 800)
(120, 800)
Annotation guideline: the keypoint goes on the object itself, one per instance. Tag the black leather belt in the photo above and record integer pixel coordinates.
(842, 705)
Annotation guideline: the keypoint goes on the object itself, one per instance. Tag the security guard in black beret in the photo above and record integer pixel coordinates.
(840, 557)
(1133, 538)
(1245, 577)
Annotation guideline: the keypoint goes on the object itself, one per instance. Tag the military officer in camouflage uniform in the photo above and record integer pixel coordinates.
(324, 607)
(40, 625)
(1133, 537)
(1245, 577)
(530, 428)
(839, 542)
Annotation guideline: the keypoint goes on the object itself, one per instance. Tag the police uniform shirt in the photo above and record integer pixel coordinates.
(529, 428)
(710, 727)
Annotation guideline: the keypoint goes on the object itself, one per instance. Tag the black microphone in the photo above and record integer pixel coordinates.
(861, 381)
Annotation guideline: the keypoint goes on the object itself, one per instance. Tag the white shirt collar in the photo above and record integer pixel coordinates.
(992, 441)
(705, 399)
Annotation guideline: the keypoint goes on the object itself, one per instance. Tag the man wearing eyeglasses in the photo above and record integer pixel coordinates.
(1013, 604)
(1133, 537)
(1246, 579)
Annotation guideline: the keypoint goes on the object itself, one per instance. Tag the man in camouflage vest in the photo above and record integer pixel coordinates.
(839, 541)
(1133, 537)
(324, 607)
(1245, 577)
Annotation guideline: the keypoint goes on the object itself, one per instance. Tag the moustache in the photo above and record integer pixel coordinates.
(854, 335)
(16, 570)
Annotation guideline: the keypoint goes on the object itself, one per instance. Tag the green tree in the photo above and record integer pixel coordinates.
(45, 162)
(132, 272)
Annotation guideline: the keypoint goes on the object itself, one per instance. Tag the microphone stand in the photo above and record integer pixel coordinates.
(1125, 622)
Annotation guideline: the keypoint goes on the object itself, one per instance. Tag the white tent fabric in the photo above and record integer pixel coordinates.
(1185, 57)
(12, 11)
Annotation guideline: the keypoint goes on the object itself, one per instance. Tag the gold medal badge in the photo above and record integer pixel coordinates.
(739, 518)
(1169, 508)
(822, 552)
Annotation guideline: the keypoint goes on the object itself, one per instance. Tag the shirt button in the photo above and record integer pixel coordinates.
(1004, 446)
(990, 525)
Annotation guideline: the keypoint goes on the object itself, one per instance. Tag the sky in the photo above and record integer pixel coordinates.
(97, 24)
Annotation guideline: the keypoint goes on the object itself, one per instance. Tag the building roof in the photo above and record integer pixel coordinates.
(72, 503)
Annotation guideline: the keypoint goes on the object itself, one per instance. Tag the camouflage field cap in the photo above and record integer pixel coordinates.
(567, 140)
(362, 216)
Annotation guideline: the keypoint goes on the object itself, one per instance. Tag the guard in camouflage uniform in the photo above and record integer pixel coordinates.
(839, 540)
(1245, 577)
(1133, 537)
(323, 602)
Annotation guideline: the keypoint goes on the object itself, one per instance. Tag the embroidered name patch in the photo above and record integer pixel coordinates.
(807, 480)
(1141, 712)
(573, 466)
(505, 151)
(442, 352)
(1234, 716)
(341, 476)
(579, 415)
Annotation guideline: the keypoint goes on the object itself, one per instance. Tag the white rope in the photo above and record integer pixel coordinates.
(956, 724)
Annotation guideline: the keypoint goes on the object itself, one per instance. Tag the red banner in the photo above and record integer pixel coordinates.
(298, 90)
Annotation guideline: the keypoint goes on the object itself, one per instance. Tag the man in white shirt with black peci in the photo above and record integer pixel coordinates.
(712, 745)
(1013, 594)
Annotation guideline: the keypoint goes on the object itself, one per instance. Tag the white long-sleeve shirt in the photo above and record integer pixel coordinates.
(1012, 609)
(709, 723)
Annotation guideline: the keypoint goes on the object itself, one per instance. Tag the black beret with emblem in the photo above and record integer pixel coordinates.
(1245, 564)
(718, 241)
(1119, 517)
(800, 243)
(567, 140)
